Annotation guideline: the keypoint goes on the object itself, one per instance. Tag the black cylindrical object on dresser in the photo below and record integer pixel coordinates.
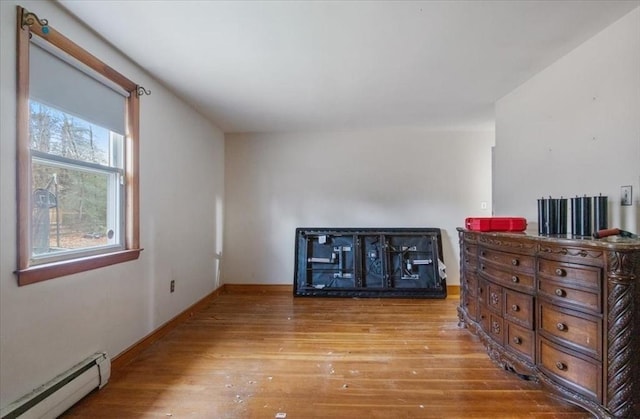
(581, 216)
(542, 216)
(553, 214)
(576, 209)
(600, 213)
(560, 222)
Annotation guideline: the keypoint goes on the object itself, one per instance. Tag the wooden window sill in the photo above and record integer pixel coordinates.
(39, 273)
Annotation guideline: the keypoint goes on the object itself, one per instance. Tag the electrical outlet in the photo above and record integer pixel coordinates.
(626, 195)
(173, 285)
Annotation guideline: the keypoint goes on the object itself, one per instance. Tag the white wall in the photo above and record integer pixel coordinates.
(47, 327)
(574, 129)
(382, 178)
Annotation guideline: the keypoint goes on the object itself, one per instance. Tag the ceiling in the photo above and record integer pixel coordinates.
(274, 66)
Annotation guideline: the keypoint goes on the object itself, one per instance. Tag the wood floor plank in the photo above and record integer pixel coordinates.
(253, 355)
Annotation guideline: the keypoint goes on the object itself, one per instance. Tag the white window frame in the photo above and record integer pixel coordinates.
(115, 204)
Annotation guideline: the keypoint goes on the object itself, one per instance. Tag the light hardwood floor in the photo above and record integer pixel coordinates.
(254, 355)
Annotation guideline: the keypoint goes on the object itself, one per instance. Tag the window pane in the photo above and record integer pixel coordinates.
(55, 132)
(76, 205)
(72, 208)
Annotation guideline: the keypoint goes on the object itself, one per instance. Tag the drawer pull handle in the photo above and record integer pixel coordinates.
(560, 272)
(515, 279)
(517, 340)
(560, 292)
(561, 326)
(515, 307)
(515, 262)
(561, 366)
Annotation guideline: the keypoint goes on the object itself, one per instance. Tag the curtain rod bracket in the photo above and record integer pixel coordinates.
(30, 18)
(140, 91)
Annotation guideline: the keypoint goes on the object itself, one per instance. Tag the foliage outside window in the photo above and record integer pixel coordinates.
(76, 172)
(77, 158)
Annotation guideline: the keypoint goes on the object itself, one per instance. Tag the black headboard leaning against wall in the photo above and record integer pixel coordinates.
(369, 262)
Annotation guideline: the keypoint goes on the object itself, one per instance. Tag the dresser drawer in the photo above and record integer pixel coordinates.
(571, 369)
(484, 317)
(518, 308)
(492, 324)
(520, 340)
(511, 261)
(581, 276)
(470, 283)
(470, 264)
(483, 292)
(576, 330)
(568, 294)
(470, 304)
(519, 280)
(470, 256)
(470, 249)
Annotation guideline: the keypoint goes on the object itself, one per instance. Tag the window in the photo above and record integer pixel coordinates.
(77, 157)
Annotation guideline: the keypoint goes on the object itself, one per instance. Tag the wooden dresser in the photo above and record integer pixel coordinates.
(560, 311)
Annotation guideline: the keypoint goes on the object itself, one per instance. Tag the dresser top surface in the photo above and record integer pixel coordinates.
(612, 242)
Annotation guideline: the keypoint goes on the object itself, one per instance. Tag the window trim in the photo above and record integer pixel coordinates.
(26, 273)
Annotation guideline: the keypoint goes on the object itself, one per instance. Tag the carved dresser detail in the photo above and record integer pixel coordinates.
(562, 311)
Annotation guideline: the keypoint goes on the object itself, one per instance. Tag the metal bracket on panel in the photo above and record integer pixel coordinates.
(342, 248)
(332, 259)
(340, 251)
(407, 271)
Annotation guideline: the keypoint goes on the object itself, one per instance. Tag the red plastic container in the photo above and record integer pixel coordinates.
(496, 223)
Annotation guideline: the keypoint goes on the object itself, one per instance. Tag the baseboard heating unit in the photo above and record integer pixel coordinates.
(55, 397)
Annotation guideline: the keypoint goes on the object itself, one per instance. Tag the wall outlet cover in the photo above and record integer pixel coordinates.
(626, 195)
